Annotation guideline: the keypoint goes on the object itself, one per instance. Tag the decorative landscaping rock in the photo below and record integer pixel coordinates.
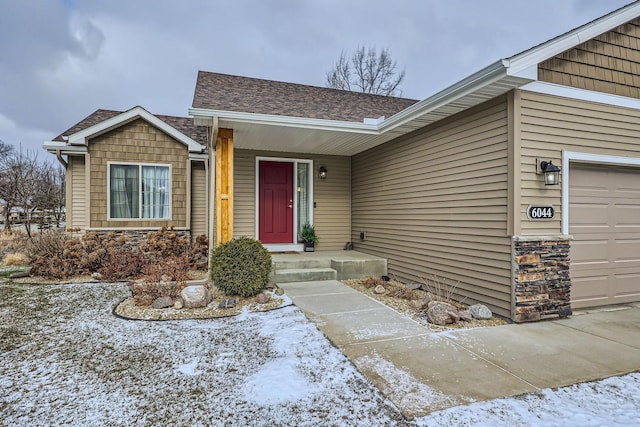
(279, 292)
(413, 286)
(195, 296)
(465, 315)
(262, 298)
(480, 312)
(97, 276)
(227, 303)
(379, 289)
(178, 304)
(418, 304)
(162, 302)
(442, 313)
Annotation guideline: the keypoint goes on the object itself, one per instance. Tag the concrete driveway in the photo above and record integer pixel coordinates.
(422, 371)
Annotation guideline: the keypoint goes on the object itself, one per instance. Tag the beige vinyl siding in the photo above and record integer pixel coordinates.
(607, 63)
(244, 193)
(332, 196)
(198, 199)
(78, 193)
(137, 142)
(550, 124)
(435, 203)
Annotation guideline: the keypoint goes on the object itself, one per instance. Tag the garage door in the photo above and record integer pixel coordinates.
(604, 219)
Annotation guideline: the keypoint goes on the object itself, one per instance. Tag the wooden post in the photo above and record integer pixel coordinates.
(224, 186)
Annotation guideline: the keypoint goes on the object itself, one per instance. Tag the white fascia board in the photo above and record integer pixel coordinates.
(484, 77)
(287, 121)
(54, 146)
(582, 94)
(198, 156)
(571, 39)
(80, 138)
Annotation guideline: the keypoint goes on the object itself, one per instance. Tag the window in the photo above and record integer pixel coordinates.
(139, 191)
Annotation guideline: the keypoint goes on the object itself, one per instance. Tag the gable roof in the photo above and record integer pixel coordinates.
(182, 129)
(216, 91)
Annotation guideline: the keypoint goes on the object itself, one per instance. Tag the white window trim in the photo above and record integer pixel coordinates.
(569, 157)
(140, 165)
(295, 245)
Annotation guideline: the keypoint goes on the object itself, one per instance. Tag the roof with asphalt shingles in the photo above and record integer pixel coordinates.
(225, 92)
(182, 124)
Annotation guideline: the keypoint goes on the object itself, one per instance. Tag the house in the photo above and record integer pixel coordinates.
(451, 186)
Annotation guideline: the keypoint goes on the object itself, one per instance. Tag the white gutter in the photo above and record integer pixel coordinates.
(486, 76)
(54, 146)
(482, 78)
(573, 38)
(287, 121)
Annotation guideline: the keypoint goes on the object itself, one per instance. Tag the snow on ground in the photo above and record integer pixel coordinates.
(610, 402)
(66, 360)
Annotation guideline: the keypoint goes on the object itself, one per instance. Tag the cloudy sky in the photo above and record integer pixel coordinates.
(60, 60)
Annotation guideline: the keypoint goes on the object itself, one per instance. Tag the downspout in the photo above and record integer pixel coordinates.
(211, 182)
(62, 161)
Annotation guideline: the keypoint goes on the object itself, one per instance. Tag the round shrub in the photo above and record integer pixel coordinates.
(240, 267)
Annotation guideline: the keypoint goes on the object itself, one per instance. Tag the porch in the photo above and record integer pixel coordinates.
(325, 265)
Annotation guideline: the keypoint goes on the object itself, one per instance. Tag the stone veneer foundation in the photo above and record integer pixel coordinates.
(134, 237)
(542, 283)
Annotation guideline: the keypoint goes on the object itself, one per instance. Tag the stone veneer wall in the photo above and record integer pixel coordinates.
(542, 279)
(134, 237)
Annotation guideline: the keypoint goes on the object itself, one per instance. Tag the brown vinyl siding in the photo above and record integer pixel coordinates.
(551, 124)
(78, 193)
(137, 142)
(332, 196)
(435, 203)
(607, 63)
(198, 199)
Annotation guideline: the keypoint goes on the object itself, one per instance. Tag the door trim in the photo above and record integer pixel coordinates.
(293, 246)
(569, 157)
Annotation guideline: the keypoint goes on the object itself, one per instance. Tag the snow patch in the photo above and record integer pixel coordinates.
(277, 382)
(189, 368)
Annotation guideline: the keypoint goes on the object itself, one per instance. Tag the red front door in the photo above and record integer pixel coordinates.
(275, 200)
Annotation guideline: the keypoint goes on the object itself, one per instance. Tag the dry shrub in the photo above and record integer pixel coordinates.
(15, 259)
(372, 282)
(200, 252)
(398, 290)
(144, 293)
(165, 243)
(46, 252)
(438, 289)
(171, 268)
(12, 241)
(122, 264)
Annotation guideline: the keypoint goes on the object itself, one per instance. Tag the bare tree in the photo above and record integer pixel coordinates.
(29, 185)
(367, 71)
(50, 196)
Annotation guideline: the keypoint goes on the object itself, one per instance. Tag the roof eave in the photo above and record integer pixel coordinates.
(81, 138)
(557, 45)
(285, 121)
(54, 147)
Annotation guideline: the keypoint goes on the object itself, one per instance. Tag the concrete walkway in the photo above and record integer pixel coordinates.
(422, 371)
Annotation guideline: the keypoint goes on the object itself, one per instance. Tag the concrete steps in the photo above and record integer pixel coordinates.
(317, 266)
(304, 275)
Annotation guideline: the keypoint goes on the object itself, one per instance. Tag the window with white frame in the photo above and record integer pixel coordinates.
(139, 191)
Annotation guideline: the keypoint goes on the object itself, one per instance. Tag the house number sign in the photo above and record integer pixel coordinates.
(540, 212)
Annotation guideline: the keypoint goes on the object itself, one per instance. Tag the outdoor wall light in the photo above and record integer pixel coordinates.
(551, 172)
(322, 172)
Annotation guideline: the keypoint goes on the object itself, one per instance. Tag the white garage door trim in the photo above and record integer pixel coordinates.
(596, 159)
